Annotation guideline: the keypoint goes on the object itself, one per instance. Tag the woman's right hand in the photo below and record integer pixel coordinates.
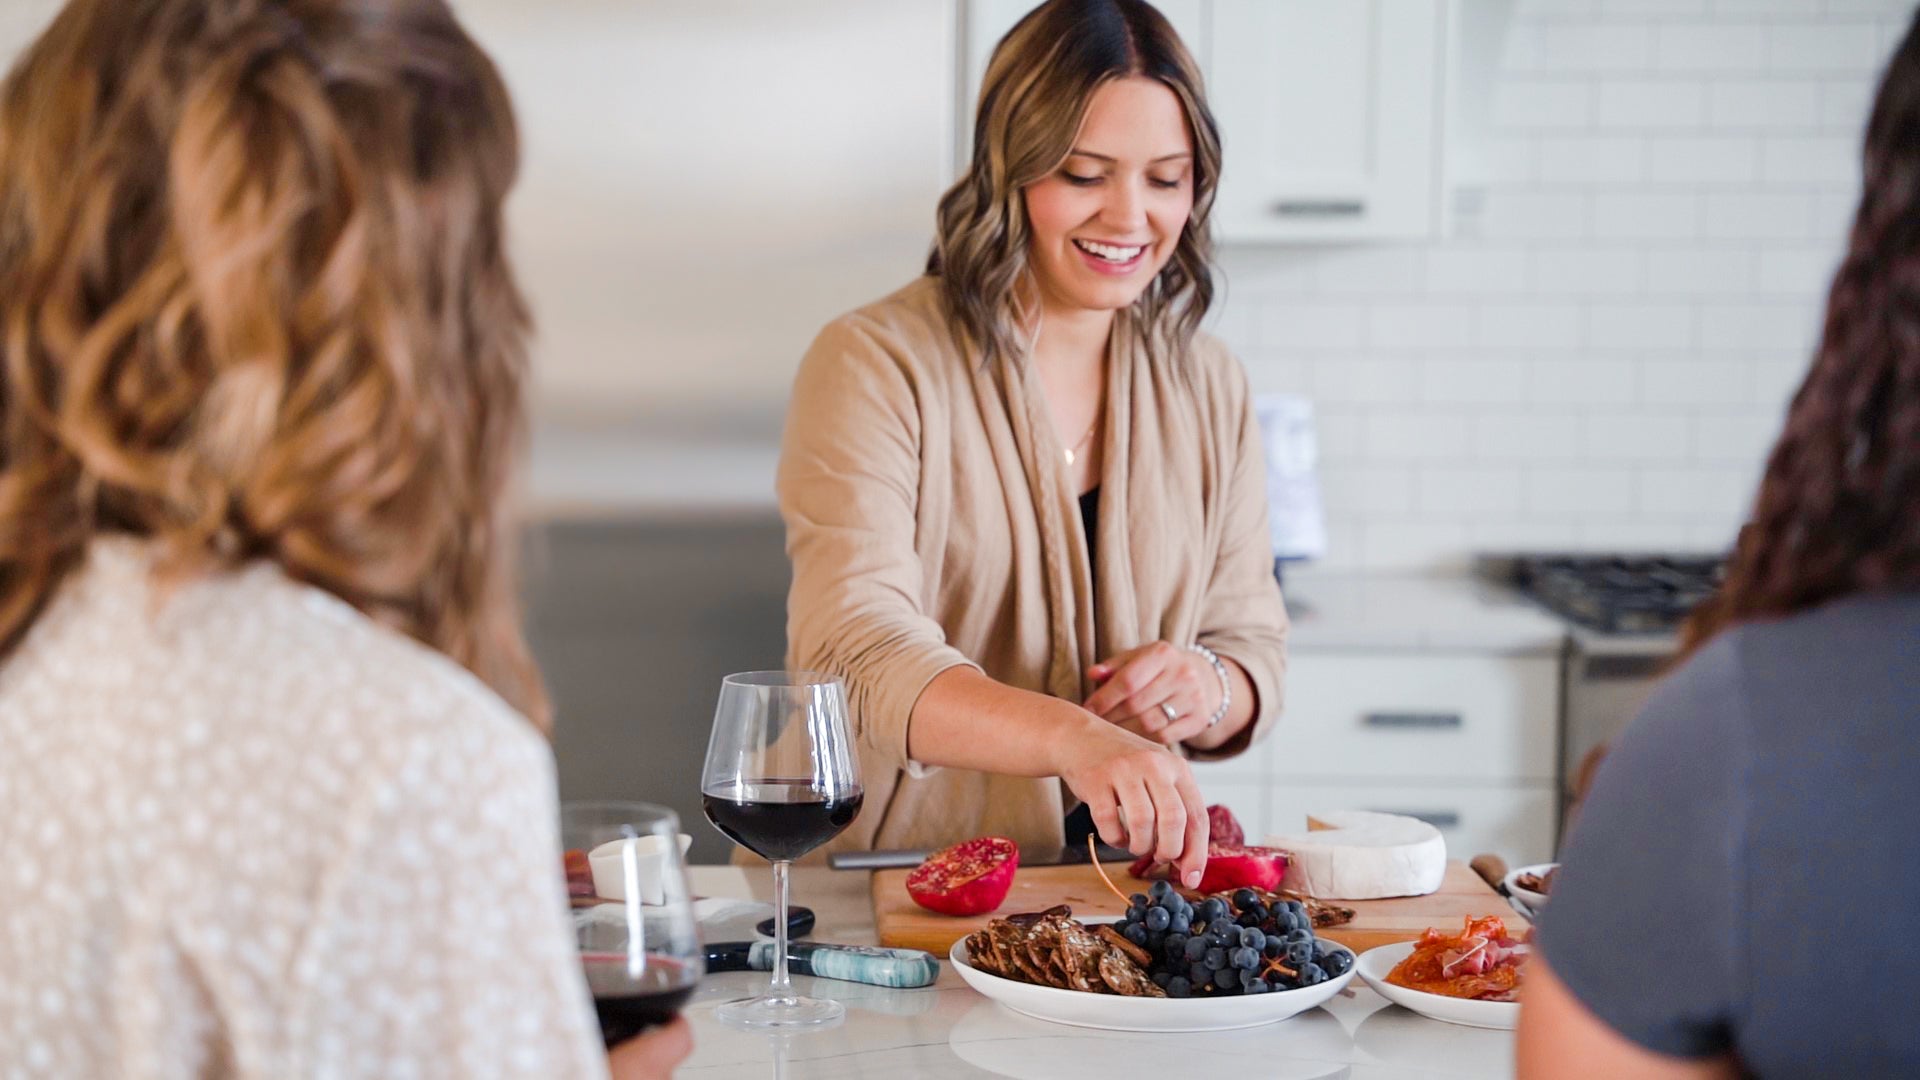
(1142, 795)
(652, 1055)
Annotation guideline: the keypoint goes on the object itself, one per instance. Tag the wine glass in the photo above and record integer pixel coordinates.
(781, 779)
(632, 912)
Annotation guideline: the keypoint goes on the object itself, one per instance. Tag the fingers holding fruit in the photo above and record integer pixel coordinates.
(1138, 813)
(1142, 798)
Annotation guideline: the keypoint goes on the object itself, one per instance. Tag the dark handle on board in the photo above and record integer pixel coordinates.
(1413, 720)
(1323, 208)
(1439, 819)
(799, 922)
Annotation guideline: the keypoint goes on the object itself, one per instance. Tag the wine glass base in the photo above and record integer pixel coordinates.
(783, 1013)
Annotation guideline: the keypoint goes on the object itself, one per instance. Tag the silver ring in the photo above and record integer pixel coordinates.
(1173, 715)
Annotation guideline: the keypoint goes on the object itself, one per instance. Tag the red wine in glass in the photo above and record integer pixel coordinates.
(632, 913)
(629, 1004)
(781, 779)
(779, 819)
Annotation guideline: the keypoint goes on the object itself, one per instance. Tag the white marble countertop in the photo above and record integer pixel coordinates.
(948, 1030)
(1357, 611)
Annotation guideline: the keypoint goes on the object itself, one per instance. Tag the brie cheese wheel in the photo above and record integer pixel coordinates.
(1363, 855)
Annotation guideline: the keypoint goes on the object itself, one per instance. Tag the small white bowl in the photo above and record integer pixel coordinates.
(610, 876)
(1534, 902)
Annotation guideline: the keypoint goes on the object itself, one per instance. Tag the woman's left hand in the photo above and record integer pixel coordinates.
(1158, 690)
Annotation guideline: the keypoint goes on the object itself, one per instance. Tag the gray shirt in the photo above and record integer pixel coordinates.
(1743, 878)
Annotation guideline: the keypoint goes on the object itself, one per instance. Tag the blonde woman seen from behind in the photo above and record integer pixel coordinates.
(1024, 496)
(276, 796)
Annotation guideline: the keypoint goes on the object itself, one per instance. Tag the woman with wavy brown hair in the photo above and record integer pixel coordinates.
(1024, 496)
(1737, 895)
(275, 796)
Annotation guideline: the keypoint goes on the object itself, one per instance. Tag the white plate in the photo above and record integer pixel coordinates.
(1374, 965)
(1115, 1013)
(1534, 901)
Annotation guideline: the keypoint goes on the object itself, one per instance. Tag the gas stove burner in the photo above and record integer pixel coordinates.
(1619, 594)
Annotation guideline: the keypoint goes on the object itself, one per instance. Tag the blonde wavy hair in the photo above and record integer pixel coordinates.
(255, 304)
(1032, 101)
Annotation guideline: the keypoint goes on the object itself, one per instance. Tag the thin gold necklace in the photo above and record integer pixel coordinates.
(1039, 319)
(1073, 452)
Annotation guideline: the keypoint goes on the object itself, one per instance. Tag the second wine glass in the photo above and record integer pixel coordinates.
(781, 779)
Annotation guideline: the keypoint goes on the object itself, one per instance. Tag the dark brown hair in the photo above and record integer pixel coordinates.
(1033, 98)
(255, 303)
(1838, 511)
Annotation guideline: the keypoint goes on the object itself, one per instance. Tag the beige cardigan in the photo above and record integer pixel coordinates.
(931, 523)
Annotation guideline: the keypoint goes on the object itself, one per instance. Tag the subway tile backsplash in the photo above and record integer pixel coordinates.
(1599, 357)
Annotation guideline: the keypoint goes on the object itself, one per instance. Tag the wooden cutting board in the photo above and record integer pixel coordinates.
(903, 924)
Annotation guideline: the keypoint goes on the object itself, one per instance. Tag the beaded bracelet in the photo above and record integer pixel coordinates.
(1226, 686)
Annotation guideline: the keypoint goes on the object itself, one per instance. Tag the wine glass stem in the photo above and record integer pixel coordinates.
(780, 989)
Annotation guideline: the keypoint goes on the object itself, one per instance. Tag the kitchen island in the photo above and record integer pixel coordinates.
(947, 1030)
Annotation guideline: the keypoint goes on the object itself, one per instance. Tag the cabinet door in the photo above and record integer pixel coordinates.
(1433, 718)
(1329, 111)
(985, 22)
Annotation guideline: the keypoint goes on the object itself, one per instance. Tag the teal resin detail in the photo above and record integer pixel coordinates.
(903, 969)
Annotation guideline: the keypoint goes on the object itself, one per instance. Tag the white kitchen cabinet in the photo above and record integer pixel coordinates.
(1434, 717)
(1330, 111)
(1465, 739)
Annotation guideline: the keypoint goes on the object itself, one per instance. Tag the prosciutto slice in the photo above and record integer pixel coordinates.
(1481, 962)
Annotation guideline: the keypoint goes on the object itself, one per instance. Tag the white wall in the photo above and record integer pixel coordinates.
(705, 182)
(1598, 360)
(1601, 359)
(709, 181)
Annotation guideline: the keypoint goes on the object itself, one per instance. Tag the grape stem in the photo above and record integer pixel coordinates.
(1094, 854)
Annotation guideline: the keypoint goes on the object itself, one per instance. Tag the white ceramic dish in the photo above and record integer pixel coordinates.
(1114, 1013)
(1374, 964)
(611, 870)
(1534, 901)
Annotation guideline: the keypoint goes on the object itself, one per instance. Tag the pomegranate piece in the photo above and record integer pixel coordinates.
(1229, 866)
(1232, 863)
(969, 878)
(1232, 866)
(1223, 827)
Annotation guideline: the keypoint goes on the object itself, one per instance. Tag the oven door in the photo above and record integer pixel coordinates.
(1607, 683)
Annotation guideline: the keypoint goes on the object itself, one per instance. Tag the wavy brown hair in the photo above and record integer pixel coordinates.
(1033, 98)
(255, 304)
(1838, 511)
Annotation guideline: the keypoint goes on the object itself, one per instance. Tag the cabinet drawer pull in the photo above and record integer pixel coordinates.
(1412, 720)
(1320, 207)
(1439, 819)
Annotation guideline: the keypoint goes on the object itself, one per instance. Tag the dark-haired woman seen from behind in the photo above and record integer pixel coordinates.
(1024, 496)
(273, 787)
(1738, 893)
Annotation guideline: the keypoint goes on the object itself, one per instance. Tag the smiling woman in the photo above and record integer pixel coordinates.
(966, 462)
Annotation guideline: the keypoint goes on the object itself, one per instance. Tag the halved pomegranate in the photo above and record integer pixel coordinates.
(1232, 866)
(1231, 862)
(969, 878)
